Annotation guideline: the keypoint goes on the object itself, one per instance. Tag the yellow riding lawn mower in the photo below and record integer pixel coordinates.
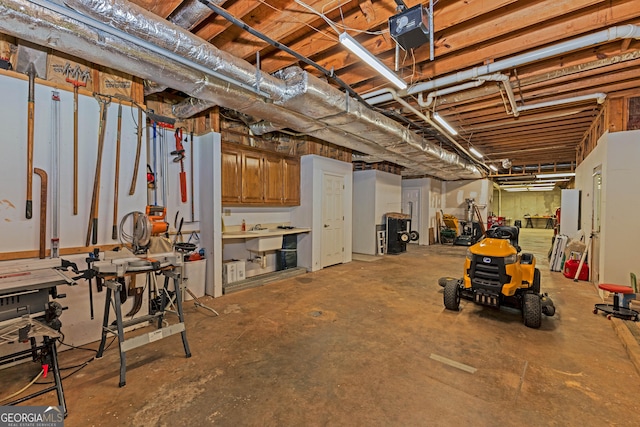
(496, 274)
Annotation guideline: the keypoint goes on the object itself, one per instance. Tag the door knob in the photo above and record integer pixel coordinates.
(326, 226)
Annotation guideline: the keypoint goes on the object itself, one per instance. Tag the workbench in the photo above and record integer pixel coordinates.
(169, 266)
(529, 220)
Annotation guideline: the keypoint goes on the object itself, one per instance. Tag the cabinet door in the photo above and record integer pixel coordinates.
(252, 177)
(291, 169)
(273, 179)
(231, 176)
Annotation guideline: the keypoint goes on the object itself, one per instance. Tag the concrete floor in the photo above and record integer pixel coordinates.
(362, 344)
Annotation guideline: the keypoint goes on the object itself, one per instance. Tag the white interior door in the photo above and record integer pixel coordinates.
(411, 206)
(332, 220)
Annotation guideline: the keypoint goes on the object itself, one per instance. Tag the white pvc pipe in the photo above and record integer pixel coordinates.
(604, 36)
(441, 92)
(599, 96)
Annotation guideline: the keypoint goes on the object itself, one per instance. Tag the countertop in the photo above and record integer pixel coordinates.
(252, 234)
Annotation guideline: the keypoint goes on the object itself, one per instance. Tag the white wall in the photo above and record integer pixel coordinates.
(309, 213)
(619, 155)
(481, 190)
(374, 194)
(364, 227)
(21, 234)
(428, 204)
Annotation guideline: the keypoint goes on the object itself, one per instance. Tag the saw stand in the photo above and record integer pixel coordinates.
(112, 297)
(185, 250)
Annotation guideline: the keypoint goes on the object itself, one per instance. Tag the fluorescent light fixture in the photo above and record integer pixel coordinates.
(444, 124)
(555, 175)
(528, 188)
(476, 152)
(493, 168)
(355, 47)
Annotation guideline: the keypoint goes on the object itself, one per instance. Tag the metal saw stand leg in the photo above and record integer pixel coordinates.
(177, 279)
(113, 290)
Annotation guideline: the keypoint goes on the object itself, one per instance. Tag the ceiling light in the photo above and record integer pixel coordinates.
(555, 175)
(527, 188)
(355, 47)
(444, 123)
(493, 168)
(476, 152)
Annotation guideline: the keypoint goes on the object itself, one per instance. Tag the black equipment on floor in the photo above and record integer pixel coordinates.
(398, 232)
(287, 257)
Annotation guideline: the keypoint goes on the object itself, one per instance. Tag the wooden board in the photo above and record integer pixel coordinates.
(58, 63)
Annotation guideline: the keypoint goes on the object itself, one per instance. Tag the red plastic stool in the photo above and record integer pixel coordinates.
(616, 310)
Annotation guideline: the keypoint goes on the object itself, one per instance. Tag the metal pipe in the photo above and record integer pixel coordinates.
(308, 105)
(190, 13)
(614, 33)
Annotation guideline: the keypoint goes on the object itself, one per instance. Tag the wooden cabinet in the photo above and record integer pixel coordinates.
(291, 177)
(252, 177)
(255, 177)
(231, 176)
(273, 179)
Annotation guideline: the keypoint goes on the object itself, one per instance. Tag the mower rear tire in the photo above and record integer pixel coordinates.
(535, 287)
(413, 235)
(532, 311)
(452, 296)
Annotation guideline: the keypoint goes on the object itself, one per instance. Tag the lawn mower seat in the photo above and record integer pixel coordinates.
(505, 232)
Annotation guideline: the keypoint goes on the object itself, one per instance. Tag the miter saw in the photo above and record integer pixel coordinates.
(137, 228)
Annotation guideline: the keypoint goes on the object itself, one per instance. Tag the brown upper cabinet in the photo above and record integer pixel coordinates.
(255, 177)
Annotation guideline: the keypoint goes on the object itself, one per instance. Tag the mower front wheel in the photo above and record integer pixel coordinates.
(452, 296)
(532, 311)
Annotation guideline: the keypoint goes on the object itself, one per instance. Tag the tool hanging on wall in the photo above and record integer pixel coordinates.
(154, 160)
(193, 210)
(55, 173)
(77, 78)
(179, 158)
(33, 62)
(43, 211)
(114, 228)
(136, 165)
(92, 229)
(164, 164)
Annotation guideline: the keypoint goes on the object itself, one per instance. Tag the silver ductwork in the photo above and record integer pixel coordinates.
(296, 100)
(190, 13)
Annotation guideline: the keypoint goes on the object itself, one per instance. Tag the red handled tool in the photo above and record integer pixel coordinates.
(179, 153)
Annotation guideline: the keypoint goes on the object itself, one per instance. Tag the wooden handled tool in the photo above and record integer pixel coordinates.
(114, 228)
(92, 231)
(43, 211)
(132, 189)
(30, 121)
(77, 78)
